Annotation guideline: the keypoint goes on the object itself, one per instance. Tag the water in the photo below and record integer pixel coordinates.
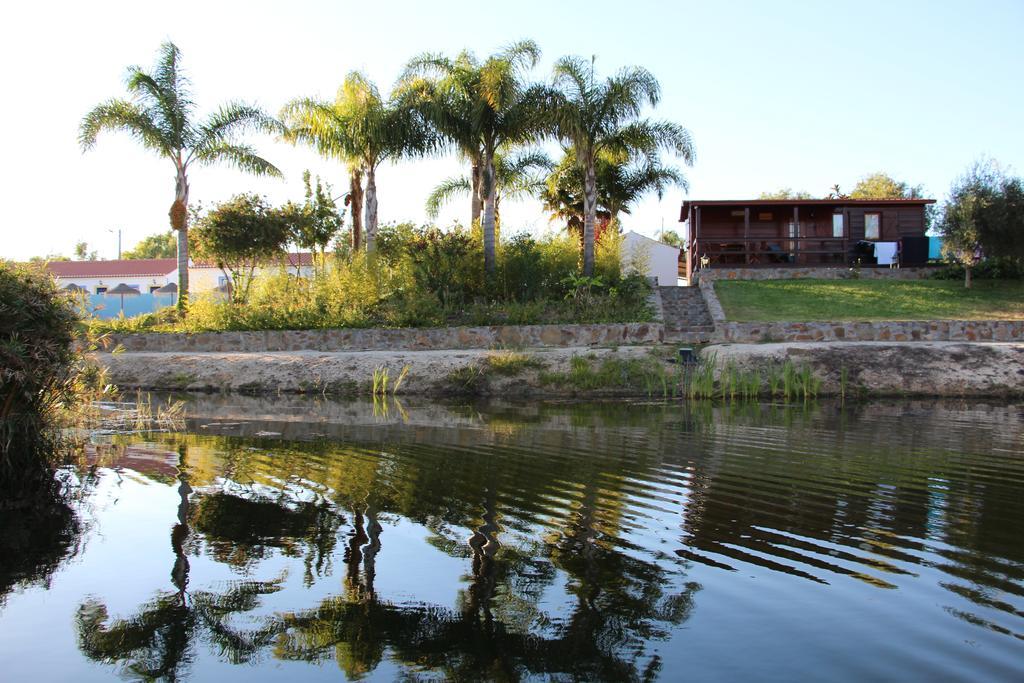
(299, 539)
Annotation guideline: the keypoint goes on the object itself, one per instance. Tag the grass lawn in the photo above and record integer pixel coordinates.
(805, 300)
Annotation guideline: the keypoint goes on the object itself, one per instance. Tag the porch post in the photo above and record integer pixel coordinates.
(796, 227)
(696, 233)
(746, 232)
(846, 234)
(689, 245)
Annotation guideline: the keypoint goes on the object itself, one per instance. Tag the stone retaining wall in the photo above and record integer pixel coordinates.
(817, 273)
(901, 331)
(714, 306)
(377, 339)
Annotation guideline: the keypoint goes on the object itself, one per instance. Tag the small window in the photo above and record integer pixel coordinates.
(872, 226)
(764, 216)
(837, 225)
(221, 280)
(153, 288)
(101, 290)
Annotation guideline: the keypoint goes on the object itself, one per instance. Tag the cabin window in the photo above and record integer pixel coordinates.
(837, 225)
(101, 290)
(737, 214)
(872, 226)
(765, 216)
(153, 288)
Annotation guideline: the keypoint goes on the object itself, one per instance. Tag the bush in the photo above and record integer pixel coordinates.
(38, 375)
(425, 277)
(447, 264)
(996, 268)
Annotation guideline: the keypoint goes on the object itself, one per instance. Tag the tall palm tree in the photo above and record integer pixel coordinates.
(361, 128)
(482, 107)
(309, 121)
(515, 177)
(603, 116)
(620, 184)
(160, 116)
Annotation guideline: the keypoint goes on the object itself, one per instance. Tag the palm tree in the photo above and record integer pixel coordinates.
(597, 117)
(160, 116)
(362, 129)
(481, 108)
(620, 184)
(515, 177)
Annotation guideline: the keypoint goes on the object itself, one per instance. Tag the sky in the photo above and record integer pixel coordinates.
(775, 94)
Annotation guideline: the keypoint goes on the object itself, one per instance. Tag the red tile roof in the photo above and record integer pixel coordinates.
(145, 267)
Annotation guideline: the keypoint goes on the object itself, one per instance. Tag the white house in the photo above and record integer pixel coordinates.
(652, 258)
(148, 275)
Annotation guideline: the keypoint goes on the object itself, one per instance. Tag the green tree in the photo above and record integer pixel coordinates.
(673, 238)
(160, 245)
(983, 215)
(621, 182)
(785, 193)
(313, 224)
(160, 115)
(239, 235)
(362, 129)
(482, 108)
(82, 252)
(880, 185)
(602, 117)
(515, 177)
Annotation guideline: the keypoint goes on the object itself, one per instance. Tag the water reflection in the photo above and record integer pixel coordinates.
(511, 542)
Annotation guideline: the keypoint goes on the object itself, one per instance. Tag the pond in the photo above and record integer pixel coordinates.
(275, 538)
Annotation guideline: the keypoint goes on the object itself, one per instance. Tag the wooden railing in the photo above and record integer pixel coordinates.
(769, 252)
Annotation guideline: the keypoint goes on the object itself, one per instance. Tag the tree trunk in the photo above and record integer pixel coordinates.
(589, 216)
(476, 200)
(967, 276)
(180, 222)
(371, 210)
(489, 192)
(355, 200)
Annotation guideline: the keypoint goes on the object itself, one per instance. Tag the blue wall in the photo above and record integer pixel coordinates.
(103, 306)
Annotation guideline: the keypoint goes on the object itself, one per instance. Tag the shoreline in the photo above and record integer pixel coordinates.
(913, 369)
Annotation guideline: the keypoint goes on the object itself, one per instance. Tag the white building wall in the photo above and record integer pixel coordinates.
(199, 279)
(143, 282)
(651, 257)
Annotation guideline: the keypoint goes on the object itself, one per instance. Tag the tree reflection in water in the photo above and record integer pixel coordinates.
(495, 627)
(158, 641)
(577, 543)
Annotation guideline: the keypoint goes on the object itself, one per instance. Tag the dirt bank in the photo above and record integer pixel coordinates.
(884, 368)
(874, 368)
(350, 373)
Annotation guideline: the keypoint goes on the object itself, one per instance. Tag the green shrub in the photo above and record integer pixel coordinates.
(447, 264)
(39, 372)
(994, 268)
(423, 277)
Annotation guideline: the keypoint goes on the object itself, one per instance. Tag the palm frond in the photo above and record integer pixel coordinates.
(646, 138)
(119, 115)
(445, 191)
(242, 157)
(319, 125)
(235, 118)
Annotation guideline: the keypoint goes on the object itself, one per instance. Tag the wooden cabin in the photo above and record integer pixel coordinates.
(803, 232)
